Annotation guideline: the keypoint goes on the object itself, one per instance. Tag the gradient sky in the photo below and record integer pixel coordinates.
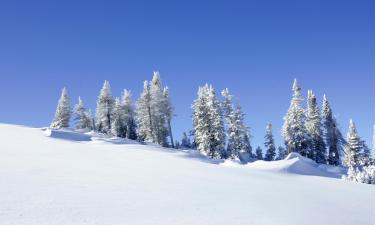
(255, 48)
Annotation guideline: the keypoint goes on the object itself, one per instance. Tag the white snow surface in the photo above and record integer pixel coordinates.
(85, 178)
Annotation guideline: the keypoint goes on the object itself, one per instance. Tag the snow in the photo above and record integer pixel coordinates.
(68, 180)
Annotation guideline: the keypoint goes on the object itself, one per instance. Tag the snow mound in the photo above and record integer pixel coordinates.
(294, 163)
(67, 135)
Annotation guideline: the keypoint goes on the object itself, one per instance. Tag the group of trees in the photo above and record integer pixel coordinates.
(150, 120)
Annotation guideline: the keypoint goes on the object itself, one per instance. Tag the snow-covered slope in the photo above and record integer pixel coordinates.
(71, 180)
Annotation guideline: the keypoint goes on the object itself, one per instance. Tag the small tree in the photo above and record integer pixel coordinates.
(104, 107)
(82, 117)
(353, 147)
(63, 112)
(281, 153)
(143, 114)
(117, 122)
(269, 144)
(185, 141)
(259, 153)
(130, 126)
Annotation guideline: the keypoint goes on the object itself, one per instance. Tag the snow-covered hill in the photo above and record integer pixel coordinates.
(87, 179)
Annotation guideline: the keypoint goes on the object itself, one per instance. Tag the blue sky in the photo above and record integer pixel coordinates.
(255, 48)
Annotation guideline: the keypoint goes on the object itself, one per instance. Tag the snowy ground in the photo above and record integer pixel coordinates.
(72, 179)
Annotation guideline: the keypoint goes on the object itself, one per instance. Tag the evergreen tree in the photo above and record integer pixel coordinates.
(294, 130)
(104, 107)
(117, 119)
(259, 153)
(168, 113)
(185, 141)
(365, 155)
(82, 117)
(353, 147)
(317, 148)
(269, 144)
(130, 126)
(227, 104)
(177, 145)
(332, 135)
(143, 114)
(63, 112)
(158, 111)
(281, 154)
(208, 123)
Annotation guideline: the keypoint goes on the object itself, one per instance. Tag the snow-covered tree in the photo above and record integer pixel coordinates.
(63, 112)
(185, 141)
(365, 156)
(316, 145)
(269, 144)
(82, 117)
(117, 119)
(353, 147)
(168, 108)
(104, 107)
(259, 153)
(364, 175)
(294, 130)
(208, 123)
(143, 114)
(158, 111)
(227, 104)
(332, 135)
(130, 126)
(281, 153)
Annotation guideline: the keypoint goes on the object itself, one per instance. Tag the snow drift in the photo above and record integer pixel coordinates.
(63, 180)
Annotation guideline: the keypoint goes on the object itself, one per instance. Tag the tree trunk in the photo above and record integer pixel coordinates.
(170, 133)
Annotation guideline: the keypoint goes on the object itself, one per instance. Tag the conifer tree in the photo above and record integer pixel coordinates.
(353, 147)
(63, 112)
(104, 107)
(269, 144)
(259, 153)
(281, 153)
(117, 121)
(143, 115)
(294, 130)
(130, 131)
(82, 117)
(185, 141)
(168, 108)
(316, 145)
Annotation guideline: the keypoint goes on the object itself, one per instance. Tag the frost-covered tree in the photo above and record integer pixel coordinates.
(332, 135)
(63, 112)
(117, 119)
(365, 156)
(82, 117)
(143, 114)
(269, 143)
(294, 130)
(237, 131)
(353, 147)
(104, 107)
(208, 123)
(130, 126)
(259, 153)
(281, 153)
(168, 108)
(185, 141)
(316, 144)
(364, 175)
(158, 111)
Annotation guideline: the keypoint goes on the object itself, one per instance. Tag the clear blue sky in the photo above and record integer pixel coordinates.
(255, 48)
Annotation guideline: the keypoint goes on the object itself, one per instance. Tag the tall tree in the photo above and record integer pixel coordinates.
(317, 148)
(294, 130)
(185, 141)
(117, 121)
(168, 108)
(63, 111)
(130, 131)
(353, 147)
(82, 117)
(269, 144)
(259, 153)
(104, 107)
(208, 123)
(143, 114)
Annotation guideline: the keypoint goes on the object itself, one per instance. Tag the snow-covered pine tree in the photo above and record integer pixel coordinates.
(130, 126)
(365, 154)
(353, 147)
(294, 130)
(82, 117)
(63, 111)
(185, 141)
(104, 107)
(281, 153)
(237, 132)
(168, 108)
(208, 123)
(269, 144)
(158, 112)
(117, 119)
(143, 114)
(316, 144)
(259, 153)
